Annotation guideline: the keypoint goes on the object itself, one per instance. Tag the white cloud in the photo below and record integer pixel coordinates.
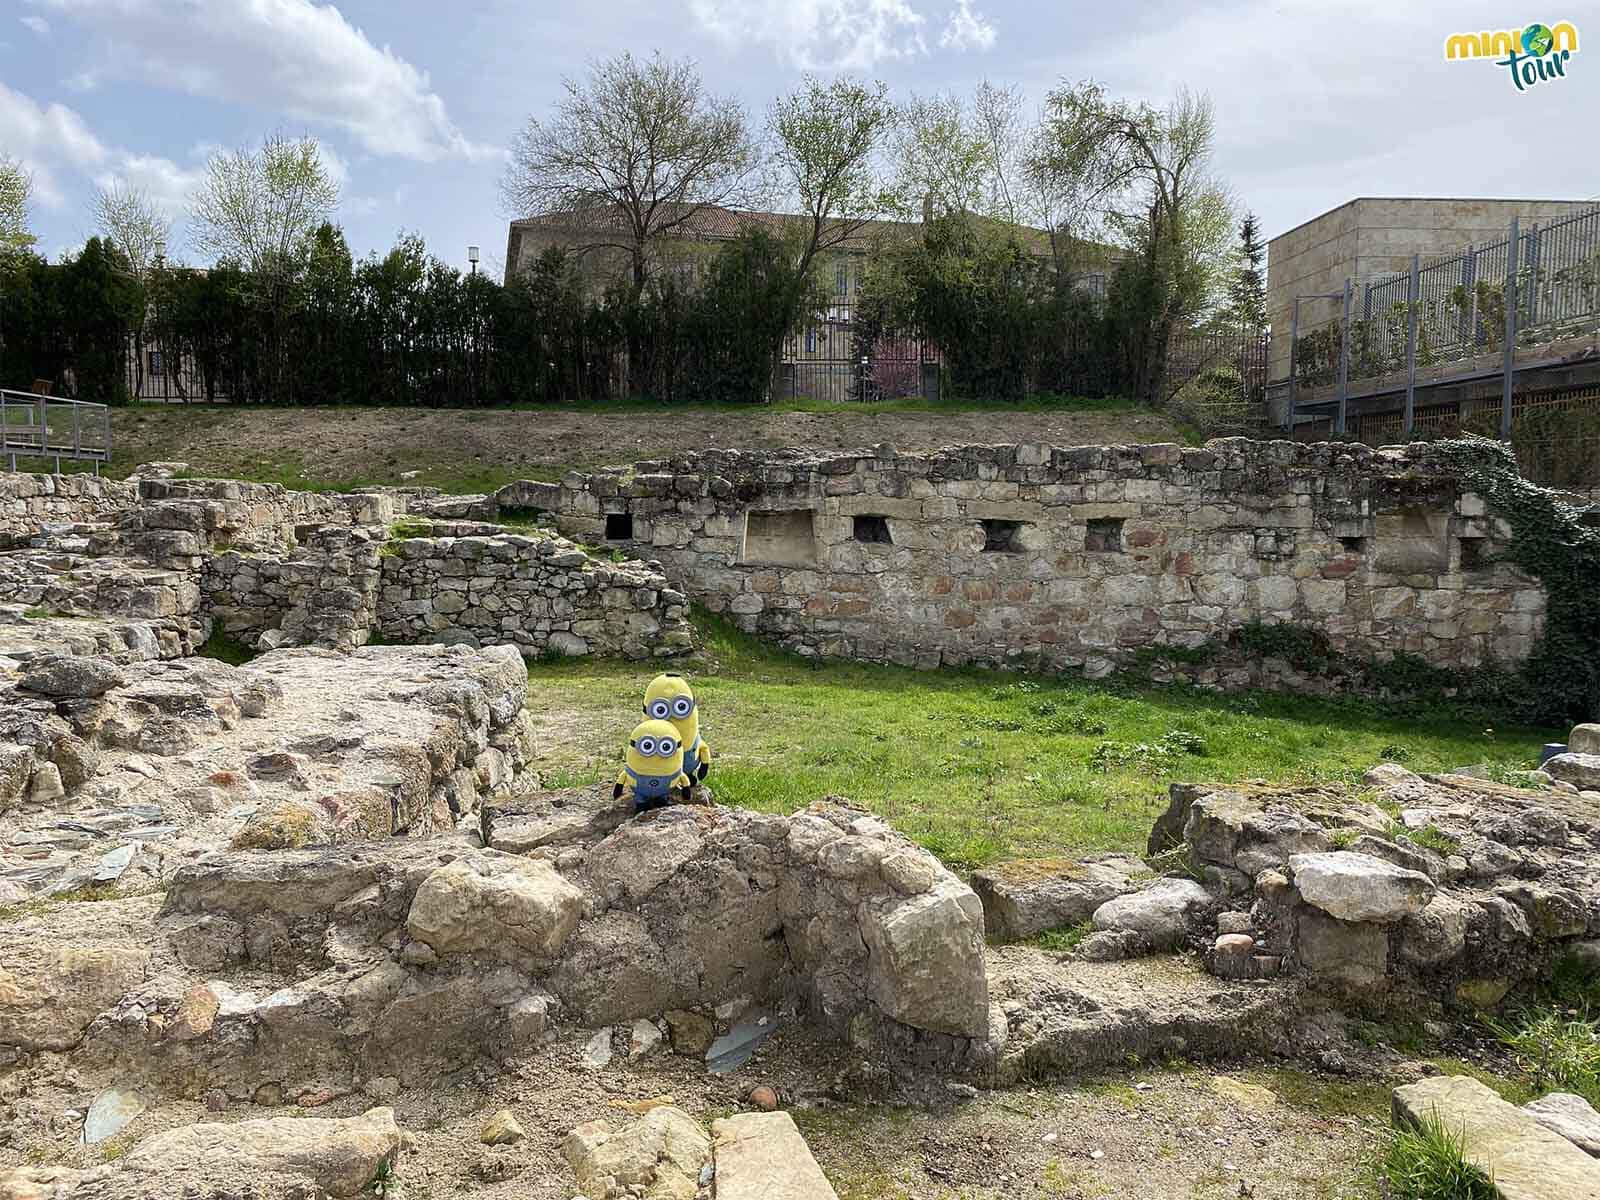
(38, 24)
(293, 58)
(54, 142)
(967, 29)
(819, 34)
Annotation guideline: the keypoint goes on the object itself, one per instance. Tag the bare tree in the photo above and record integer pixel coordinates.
(15, 187)
(134, 223)
(259, 207)
(641, 148)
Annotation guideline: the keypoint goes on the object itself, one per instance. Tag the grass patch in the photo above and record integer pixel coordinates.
(36, 614)
(1558, 1048)
(225, 648)
(1063, 940)
(977, 765)
(1427, 1163)
(1324, 1095)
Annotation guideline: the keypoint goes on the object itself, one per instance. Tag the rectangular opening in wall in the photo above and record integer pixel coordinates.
(619, 527)
(1104, 535)
(1001, 536)
(785, 537)
(1474, 554)
(872, 529)
(522, 514)
(1354, 545)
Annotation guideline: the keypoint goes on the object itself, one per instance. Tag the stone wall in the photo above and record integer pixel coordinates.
(538, 593)
(1038, 556)
(30, 502)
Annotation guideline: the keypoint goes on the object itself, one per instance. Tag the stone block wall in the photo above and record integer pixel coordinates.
(1075, 557)
(29, 502)
(537, 593)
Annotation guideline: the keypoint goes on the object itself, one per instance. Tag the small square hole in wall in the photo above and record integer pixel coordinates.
(1001, 536)
(874, 529)
(1104, 535)
(1354, 545)
(619, 527)
(1474, 554)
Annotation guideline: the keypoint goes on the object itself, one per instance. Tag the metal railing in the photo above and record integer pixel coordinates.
(35, 426)
(1533, 287)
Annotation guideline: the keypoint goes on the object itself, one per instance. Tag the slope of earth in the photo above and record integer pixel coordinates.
(476, 450)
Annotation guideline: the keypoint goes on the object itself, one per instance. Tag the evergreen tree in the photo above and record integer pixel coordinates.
(1247, 292)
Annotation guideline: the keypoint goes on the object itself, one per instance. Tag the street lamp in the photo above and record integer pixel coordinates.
(472, 257)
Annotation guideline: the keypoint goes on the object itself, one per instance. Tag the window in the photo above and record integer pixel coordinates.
(841, 280)
(783, 537)
(155, 363)
(811, 341)
(873, 529)
(1000, 537)
(619, 527)
(1104, 535)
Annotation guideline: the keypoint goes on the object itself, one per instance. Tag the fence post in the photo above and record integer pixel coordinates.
(1344, 363)
(1531, 317)
(1466, 323)
(1510, 331)
(1412, 305)
(1294, 340)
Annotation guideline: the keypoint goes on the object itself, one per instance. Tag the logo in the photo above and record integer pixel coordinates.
(1532, 54)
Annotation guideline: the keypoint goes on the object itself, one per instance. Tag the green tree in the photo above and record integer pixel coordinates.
(1247, 290)
(15, 187)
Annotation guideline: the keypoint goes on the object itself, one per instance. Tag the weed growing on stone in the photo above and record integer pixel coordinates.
(1428, 1163)
(1063, 940)
(1559, 1049)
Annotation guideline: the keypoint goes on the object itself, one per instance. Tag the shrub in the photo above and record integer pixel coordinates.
(1427, 1162)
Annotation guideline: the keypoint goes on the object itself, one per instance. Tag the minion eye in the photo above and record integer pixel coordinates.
(682, 706)
(665, 747)
(660, 710)
(647, 745)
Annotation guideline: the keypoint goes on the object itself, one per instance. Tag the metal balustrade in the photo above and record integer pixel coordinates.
(35, 426)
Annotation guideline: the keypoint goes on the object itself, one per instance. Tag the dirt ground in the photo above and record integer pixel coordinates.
(470, 450)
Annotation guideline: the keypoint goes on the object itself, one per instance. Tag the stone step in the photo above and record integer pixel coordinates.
(1525, 1160)
(1068, 1017)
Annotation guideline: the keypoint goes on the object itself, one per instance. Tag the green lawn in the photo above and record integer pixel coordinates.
(979, 766)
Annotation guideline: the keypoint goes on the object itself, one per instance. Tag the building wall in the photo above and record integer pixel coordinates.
(1371, 237)
(1067, 558)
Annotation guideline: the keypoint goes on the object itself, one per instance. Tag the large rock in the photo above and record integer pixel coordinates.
(339, 1156)
(1437, 933)
(1580, 770)
(1244, 833)
(925, 959)
(70, 677)
(660, 1155)
(1573, 1117)
(761, 1156)
(49, 993)
(1584, 739)
(1027, 897)
(491, 901)
(1526, 1160)
(1359, 887)
(1160, 913)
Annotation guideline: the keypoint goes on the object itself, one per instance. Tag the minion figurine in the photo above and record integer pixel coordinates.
(653, 768)
(668, 698)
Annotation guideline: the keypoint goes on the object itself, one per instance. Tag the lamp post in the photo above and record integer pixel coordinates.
(472, 257)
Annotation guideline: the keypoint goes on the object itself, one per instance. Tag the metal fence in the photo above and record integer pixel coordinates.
(836, 359)
(35, 426)
(1533, 287)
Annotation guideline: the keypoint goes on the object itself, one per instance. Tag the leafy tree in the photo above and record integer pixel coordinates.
(642, 146)
(260, 207)
(15, 186)
(943, 162)
(131, 221)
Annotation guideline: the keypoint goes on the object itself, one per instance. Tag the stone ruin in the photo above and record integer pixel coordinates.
(332, 877)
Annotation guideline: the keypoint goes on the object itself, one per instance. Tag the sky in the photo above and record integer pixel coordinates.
(414, 101)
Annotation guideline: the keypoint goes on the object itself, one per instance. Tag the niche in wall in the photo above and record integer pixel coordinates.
(874, 529)
(1475, 554)
(1000, 537)
(1354, 545)
(1103, 536)
(785, 537)
(619, 527)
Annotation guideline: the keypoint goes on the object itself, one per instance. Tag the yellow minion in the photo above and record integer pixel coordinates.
(653, 767)
(668, 698)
